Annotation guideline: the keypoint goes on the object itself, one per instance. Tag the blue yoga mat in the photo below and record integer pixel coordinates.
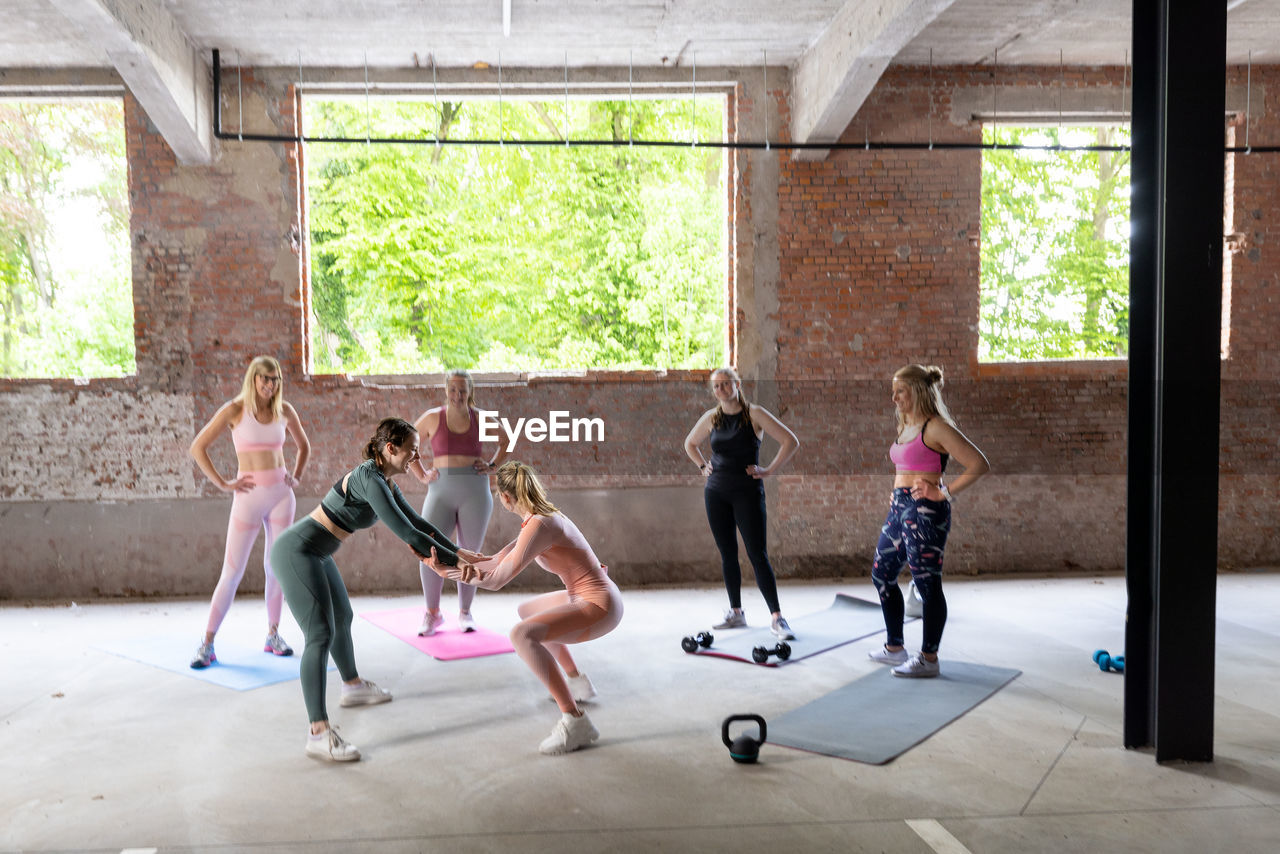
(241, 664)
(847, 619)
(878, 717)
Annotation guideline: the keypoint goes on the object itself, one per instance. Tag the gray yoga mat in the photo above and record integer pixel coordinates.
(847, 620)
(877, 717)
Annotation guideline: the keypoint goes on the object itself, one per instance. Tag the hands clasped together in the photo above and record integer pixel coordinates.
(466, 571)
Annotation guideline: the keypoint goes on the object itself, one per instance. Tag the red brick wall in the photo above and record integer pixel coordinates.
(1251, 376)
(862, 261)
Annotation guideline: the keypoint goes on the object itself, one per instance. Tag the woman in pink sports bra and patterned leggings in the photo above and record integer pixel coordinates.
(262, 492)
(915, 531)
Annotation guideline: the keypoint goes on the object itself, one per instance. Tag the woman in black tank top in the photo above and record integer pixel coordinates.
(734, 493)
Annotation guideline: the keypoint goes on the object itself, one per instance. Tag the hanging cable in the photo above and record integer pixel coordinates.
(995, 96)
(764, 102)
(1248, 95)
(693, 105)
(298, 99)
(1124, 87)
(930, 99)
(1062, 85)
(239, 97)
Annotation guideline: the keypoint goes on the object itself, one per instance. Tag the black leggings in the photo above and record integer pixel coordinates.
(744, 510)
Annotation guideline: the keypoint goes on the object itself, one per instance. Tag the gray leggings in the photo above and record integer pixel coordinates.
(302, 559)
(459, 499)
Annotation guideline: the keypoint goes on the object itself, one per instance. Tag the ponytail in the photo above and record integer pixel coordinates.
(394, 430)
(925, 383)
(521, 484)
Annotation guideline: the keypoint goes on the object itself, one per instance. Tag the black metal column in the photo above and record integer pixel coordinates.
(1179, 103)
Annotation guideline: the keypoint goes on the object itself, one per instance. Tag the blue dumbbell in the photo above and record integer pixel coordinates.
(1106, 661)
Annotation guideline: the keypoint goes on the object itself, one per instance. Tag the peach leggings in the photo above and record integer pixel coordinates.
(270, 505)
(552, 620)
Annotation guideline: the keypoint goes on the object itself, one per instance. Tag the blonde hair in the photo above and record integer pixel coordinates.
(717, 420)
(925, 384)
(521, 484)
(248, 396)
(471, 386)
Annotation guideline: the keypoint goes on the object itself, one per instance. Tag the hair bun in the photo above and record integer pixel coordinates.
(934, 375)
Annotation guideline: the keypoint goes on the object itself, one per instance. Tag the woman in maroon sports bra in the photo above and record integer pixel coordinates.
(458, 495)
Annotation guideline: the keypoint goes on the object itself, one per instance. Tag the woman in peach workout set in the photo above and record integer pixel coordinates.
(589, 607)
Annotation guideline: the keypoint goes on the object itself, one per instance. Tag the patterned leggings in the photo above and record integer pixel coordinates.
(915, 533)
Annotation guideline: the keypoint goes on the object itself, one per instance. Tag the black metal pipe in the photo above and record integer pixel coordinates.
(866, 145)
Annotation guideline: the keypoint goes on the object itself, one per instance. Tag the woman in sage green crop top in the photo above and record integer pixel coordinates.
(313, 587)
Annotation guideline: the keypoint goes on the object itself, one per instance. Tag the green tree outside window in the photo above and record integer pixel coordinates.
(66, 293)
(1055, 246)
(516, 257)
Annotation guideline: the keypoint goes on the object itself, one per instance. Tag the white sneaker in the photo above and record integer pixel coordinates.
(781, 629)
(430, 624)
(884, 655)
(912, 604)
(732, 620)
(570, 733)
(918, 667)
(580, 688)
(331, 747)
(466, 622)
(364, 694)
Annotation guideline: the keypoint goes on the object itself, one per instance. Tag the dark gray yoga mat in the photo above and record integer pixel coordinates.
(877, 717)
(847, 620)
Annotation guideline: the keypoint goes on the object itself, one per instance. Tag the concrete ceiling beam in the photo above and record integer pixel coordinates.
(157, 62)
(835, 76)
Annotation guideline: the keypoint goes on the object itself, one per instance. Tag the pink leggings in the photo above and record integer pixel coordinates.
(551, 621)
(270, 504)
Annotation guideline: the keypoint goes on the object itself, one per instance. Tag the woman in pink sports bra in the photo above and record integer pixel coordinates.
(458, 496)
(589, 607)
(261, 494)
(915, 531)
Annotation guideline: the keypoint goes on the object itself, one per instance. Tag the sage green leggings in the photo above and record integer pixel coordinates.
(302, 559)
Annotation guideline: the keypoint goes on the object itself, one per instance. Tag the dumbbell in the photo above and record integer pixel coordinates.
(701, 639)
(1106, 661)
(761, 653)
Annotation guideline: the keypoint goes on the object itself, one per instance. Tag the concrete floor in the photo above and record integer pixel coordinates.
(100, 753)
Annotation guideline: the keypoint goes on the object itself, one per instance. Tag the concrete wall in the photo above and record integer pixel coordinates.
(842, 270)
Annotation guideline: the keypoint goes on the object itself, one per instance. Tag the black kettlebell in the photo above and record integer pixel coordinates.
(744, 748)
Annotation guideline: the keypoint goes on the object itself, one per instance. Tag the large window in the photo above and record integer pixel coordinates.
(1055, 246)
(66, 300)
(515, 258)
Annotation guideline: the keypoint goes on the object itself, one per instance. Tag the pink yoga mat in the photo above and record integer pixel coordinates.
(447, 643)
